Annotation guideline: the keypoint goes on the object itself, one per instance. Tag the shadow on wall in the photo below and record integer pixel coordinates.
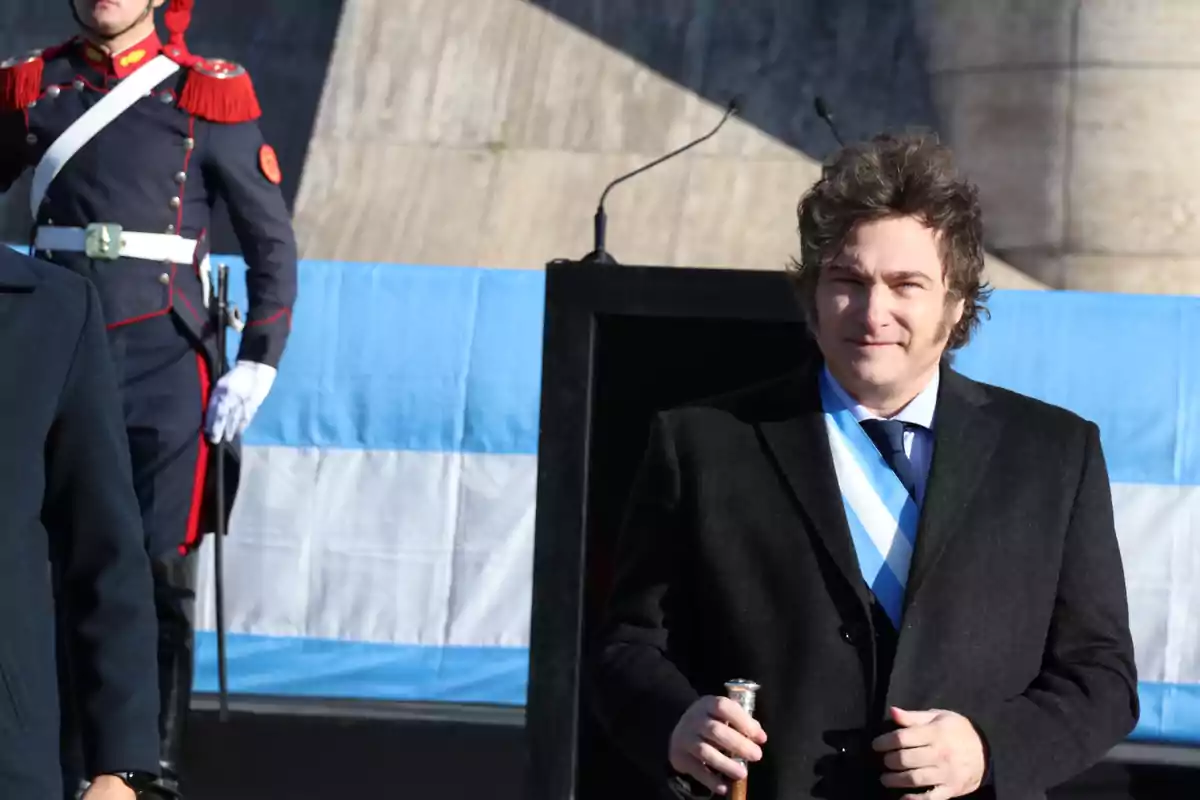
(880, 65)
(285, 45)
(862, 56)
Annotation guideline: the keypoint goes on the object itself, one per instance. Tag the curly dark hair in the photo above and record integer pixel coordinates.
(895, 175)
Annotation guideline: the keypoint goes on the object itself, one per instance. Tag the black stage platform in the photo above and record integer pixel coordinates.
(271, 750)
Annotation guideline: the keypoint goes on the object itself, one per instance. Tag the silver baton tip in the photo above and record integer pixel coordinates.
(742, 692)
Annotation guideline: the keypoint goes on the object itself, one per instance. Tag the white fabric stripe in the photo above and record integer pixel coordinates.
(431, 548)
(1159, 531)
(81, 131)
(379, 546)
(881, 525)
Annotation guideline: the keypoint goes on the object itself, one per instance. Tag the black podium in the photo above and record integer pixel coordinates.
(619, 344)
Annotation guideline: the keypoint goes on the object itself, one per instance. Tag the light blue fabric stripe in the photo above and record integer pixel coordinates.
(1170, 712)
(884, 480)
(326, 668)
(380, 355)
(387, 357)
(1128, 362)
(887, 586)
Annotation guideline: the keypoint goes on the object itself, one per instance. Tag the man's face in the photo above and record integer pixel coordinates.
(882, 314)
(111, 17)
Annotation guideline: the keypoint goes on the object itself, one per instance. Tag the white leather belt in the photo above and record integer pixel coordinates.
(108, 242)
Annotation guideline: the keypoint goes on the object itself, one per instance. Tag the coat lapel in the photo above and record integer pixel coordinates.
(800, 445)
(965, 435)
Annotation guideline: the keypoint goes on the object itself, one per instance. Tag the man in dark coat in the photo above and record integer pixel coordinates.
(921, 571)
(69, 509)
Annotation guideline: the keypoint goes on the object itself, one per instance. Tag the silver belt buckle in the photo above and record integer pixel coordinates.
(102, 241)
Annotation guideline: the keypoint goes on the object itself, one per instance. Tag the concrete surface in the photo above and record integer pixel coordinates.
(1074, 115)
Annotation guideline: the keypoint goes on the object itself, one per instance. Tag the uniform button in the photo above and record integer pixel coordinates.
(31, 139)
(164, 279)
(189, 143)
(166, 97)
(181, 177)
(175, 203)
(78, 84)
(53, 92)
(170, 229)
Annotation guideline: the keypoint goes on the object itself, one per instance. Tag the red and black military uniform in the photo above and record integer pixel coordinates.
(130, 209)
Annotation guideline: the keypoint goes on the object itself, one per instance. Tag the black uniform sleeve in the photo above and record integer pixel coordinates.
(92, 513)
(12, 147)
(264, 230)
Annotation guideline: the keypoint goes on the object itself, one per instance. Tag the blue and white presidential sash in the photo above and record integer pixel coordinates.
(882, 515)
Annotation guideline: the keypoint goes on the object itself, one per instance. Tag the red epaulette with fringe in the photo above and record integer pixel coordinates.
(216, 90)
(21, 77)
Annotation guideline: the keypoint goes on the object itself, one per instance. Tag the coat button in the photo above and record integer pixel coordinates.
(181, 177)
(78, 84)
(31, 139)
(53, 92)
(164, 279)
(166, 97)
(175, 202)
(170, 229)
(189, 143)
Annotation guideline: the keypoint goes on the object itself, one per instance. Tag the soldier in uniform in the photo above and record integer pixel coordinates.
(131, 141)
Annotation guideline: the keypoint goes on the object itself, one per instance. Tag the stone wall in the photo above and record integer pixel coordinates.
(481, 132)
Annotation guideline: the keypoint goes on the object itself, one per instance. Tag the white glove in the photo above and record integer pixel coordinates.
(236, 399)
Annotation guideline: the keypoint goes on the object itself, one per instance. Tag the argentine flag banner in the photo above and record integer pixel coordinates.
(881, 514)
(381, 545)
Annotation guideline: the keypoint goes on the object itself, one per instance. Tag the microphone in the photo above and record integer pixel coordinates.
(823, 113)
(601, 256)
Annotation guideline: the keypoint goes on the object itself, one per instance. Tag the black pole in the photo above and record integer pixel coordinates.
(219, 534)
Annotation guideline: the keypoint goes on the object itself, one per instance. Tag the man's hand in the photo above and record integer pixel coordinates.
(937, 753)
(709, 735)
(236, 399)
(109, 787)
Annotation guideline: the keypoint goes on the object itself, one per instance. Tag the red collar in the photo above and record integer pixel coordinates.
(125, 63)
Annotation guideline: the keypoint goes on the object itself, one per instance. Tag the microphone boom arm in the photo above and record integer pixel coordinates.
(599, 254)
(732, 109)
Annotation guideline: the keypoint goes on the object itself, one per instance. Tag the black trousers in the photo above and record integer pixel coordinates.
(164, 383)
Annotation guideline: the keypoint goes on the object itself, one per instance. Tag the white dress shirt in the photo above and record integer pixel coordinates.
(918, 443)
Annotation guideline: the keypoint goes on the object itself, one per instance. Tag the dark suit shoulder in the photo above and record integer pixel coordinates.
(776, 398)
(60, 297)
(53, 282)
